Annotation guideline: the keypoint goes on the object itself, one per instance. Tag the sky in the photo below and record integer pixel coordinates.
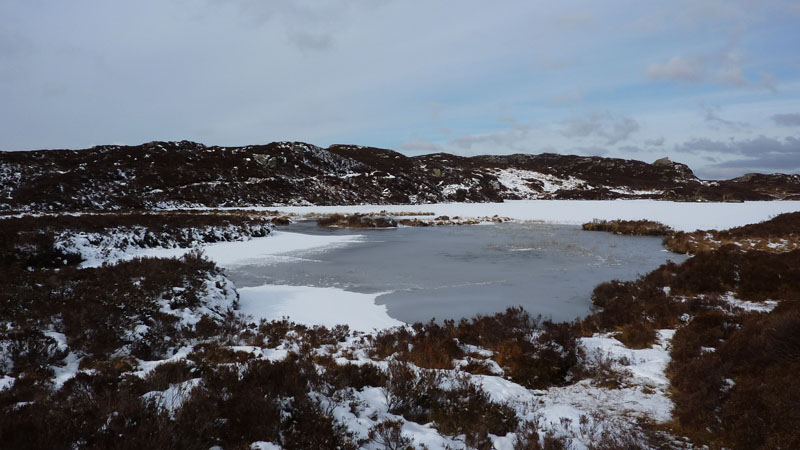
(714, 84)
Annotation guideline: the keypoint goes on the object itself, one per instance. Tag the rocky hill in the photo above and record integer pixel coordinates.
(173, 174)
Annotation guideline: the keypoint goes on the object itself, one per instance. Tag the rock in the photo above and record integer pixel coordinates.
(663, 162)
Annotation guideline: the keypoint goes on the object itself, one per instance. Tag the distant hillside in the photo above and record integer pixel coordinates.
(172, 174)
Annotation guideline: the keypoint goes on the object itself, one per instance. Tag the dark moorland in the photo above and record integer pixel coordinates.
(185, 174)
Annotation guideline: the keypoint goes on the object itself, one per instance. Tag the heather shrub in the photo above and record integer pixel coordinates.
(388, 434)
(532, 352)
(529, 437)
(462, 408)
(466, 409)
(629, 227)
(734, 378)
(639, 334)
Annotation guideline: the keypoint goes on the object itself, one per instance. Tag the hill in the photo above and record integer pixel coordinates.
(186, 174)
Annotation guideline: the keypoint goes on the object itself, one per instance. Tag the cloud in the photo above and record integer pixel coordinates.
(724, 66)
(787, 120)
(760, 153)
(678, 68)
(710, 116)
(656, 142)
(306, 41)
(606, 126)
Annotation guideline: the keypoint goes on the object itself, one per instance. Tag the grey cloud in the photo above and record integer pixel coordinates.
(610, 128)
(787, 120)
(710, 116)
(306, 41)
(511, 139)
(657, 142)
(724, 66)
(760, 153)
(630, 149)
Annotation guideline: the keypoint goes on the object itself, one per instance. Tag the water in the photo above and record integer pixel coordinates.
(460, 271)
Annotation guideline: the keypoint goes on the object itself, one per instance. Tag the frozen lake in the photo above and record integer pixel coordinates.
(458, 271)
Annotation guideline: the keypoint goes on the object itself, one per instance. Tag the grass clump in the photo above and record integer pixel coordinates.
(629, 227)
(356, 221)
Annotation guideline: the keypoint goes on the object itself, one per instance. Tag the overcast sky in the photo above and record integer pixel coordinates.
(714, 84)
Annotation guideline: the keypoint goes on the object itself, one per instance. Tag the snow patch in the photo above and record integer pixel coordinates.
(315, 306)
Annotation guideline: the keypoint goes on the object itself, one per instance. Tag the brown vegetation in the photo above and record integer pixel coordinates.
(779, 234)
(356, 221)
(731, 371)
(531, 352)
(735, 378)
(30, 241)
(383, 220)
(629, 227)
(158, 174)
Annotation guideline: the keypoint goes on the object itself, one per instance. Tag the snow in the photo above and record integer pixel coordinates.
(682, 216)
(68, 371)
(315, 306)
(71, 364)
(6, 382)
(220, 297)
(145, 367)
(261, 445)
(647, 365)
(764, 307)
(518, 181)
(578, 412)
(173, 397)
(278, 246)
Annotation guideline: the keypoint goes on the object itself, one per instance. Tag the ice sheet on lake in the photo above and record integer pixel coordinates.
(315, 306)
(683, 216)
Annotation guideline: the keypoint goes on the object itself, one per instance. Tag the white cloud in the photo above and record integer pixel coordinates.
(724, 66)
(678, 68)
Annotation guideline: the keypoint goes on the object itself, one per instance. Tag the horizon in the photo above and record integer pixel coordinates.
(714, 85)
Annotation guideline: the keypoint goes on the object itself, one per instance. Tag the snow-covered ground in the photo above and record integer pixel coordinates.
(276, 247)
(579, 412)
(683, 216)
(315, 306)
